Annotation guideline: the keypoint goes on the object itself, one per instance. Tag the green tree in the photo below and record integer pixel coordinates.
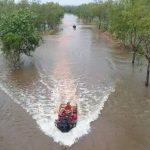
(127, 23)
(18, 35)
(48, 15)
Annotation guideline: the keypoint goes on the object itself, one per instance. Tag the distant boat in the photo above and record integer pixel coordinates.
(67, 119)
(74, 26)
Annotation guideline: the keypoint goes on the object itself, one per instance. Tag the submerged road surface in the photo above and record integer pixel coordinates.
(82, 67)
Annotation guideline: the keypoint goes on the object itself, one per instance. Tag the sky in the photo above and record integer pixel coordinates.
(67, 2)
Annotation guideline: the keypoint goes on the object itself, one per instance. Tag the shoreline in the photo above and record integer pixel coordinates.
(49, 32)
(113, 41)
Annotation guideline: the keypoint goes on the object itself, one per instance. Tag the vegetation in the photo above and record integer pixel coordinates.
(127, 20)
(49, 15)
(21, 25)
(18, 35)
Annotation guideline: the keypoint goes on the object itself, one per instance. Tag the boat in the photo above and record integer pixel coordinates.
(66, 120)
(74, 27)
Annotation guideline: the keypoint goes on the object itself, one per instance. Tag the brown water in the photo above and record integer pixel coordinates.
(82, 67)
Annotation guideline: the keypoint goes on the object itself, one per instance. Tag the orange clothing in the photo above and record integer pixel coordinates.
(68, 107)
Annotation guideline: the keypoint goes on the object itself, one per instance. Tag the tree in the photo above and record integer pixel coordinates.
(127, 23)
(146, 52)
(18, 35)
(48, 15)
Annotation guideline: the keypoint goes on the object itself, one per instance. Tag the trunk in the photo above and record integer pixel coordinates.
(134, 47)
(147, 77)
(44, 27)
(133, 59)
(99, 27)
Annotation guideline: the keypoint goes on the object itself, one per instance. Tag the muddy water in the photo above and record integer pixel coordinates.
(82, 67)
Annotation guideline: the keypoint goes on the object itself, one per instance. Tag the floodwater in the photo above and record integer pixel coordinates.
(85, 68)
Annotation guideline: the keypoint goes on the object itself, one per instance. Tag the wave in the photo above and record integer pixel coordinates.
(43, 101)
(83, 126)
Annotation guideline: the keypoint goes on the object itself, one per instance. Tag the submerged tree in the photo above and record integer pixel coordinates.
(49, 15)
(146, 53)
(21, 24)
(127, 24)
(18, 35)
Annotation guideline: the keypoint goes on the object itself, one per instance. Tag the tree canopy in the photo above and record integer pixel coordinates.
(18, 35)
(21, 25)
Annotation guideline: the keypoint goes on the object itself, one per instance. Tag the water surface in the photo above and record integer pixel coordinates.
(82, 67)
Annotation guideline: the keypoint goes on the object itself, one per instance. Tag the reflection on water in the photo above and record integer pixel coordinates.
(69, 66)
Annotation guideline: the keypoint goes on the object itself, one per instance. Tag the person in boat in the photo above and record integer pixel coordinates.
(73, 118)
(62, 115)
(68, 108)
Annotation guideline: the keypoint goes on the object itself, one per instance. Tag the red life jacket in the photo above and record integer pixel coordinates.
(68, 107)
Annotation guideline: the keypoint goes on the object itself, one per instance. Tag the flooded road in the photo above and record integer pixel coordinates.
(82, 67)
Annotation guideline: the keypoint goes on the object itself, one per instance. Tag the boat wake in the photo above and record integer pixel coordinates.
(42, 104)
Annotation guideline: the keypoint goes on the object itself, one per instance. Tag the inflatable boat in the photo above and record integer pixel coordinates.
(67, 117)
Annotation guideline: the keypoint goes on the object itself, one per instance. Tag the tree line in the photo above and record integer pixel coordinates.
(21, 25)
(127, 20)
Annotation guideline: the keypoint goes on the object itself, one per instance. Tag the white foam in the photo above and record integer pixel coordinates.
(43, 106)
(83, 126)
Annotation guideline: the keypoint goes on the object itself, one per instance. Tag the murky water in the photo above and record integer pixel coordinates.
(65, 68)
(76, 66)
